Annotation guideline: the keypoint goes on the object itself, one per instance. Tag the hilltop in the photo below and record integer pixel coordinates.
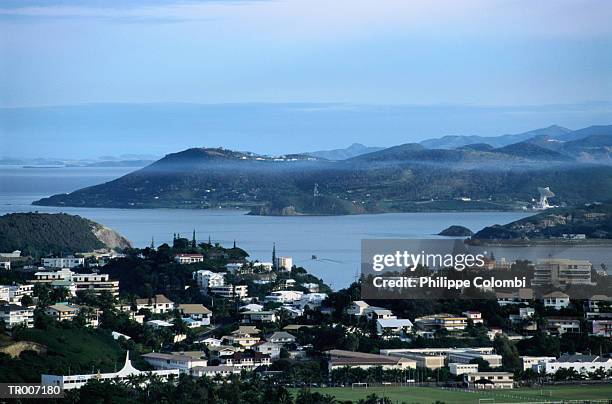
(39, 234)
(408, 177)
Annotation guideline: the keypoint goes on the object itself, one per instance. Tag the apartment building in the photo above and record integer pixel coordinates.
(557, 272)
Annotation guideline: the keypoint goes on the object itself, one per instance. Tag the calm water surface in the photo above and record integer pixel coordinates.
(335, 240)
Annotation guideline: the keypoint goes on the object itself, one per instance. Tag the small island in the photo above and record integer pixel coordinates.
(456, 231)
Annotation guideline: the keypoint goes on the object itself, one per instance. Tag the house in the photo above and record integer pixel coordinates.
(251, 307)
(4, 293)
(196, 312)
(458, 369)
(281, 337)
(393, 327)
(561, 325)
(247, 360)
(258, 316)
(489, 380)
(580, 363)
(127, 372)
(284, 296)
(159, 324)
(311, 287)
(244, 336)
(191, 323)
(533, 362)
(475, 316)
(210, 342)
(311, 301)
(63, 262)
(17, 292)
(62, 311)
(602, 328)
(444, 321)
(234, 266)
(522, 296)
(230, 291)
(596, 302)
(16, 314)
(357, 308)
(340, 359)
(157, 304)
(556, 300)
(116, 335)
(6, 265)
(214, 371)
(376, 313)
(206, 279)
(183, 361)
(263, 266)
(268, 348)
(222, 350)
(188, 258)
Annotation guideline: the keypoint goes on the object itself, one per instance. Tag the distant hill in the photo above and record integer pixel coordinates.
(402, 178)
(356, 149)
(592, 220)
(455, 141)
(39, 234)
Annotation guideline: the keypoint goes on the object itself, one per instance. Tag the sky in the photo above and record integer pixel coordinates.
(487, 57)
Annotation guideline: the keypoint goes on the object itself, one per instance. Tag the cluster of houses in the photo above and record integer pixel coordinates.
(57, 273)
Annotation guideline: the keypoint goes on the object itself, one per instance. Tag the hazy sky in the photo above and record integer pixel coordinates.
(385, 52)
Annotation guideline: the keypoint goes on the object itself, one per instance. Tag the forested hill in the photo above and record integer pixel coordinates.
(39, 234)
(398, 179)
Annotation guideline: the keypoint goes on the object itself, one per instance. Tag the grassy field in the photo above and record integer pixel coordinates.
(426, 395)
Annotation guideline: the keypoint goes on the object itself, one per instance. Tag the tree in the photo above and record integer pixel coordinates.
(510, 356)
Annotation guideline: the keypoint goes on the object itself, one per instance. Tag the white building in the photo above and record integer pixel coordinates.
(196, 312)
(17, 292)
(489, 380)
(214, 371)
(182, 361)
(268, 348)
(208, 279)
(258, 316)
(263, 266)
(393, 327)
(475, 316)
(4, 293)
(311, 300)
(158, 304)
(602, 328)
(62, 311)
(284, 296)
(357, 308)
(443, 321)
(15, 314)
(556, 272)
(230, 291)
(534, 362)
(462, 368)
(562, 325)
(580, 363)
(127, 372)
(556, 300)
(284, 263)
(64, 262)
(234, 266)
(5, 265)
(94, 282)
(188, 258)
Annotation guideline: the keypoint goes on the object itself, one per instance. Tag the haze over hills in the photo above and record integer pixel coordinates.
(356, 149)
(406, 177)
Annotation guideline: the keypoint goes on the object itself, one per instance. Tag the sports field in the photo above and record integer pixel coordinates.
(431, 395)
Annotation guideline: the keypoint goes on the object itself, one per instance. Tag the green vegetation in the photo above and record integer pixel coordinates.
(69, 349)
(426, 395)
(399, 179)
(39, 234)
(593, 220)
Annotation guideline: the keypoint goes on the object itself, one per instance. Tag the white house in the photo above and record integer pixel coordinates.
(17, 292)
(64, 262)
(357, 308)
(196, 312)
(311, 300)
(268, 348)
(208, 279)
(489, 380)
(556, 300)
(182, 361)
(534, 362)
(258, 316)
(393, 327)
(15, 314)
(281, 337)
(475, 316)
(214, 371)
(157, 304)
(127, 372)
(284, 296)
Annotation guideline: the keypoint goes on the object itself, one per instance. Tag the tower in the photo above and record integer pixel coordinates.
(193, 240)
(274, 255)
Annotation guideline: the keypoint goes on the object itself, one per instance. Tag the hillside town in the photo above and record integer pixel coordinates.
(200, 310)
